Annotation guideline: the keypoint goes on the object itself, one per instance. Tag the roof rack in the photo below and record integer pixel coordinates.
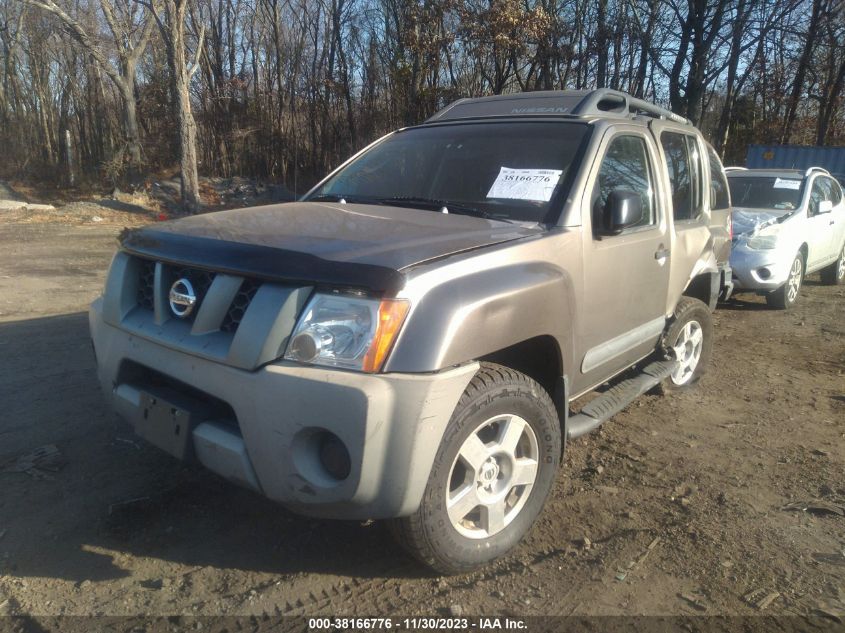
(821, 170)
(735, 168)
(602, 102)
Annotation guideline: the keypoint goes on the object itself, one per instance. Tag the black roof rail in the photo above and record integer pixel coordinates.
(569, 103)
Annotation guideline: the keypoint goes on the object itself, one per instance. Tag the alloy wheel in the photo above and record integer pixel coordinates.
(492, 476)
(794, 280)
(687, 349)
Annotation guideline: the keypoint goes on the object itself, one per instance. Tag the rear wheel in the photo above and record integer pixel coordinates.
(834, 274)
(785, 297)
(491, 476)
(689, 341)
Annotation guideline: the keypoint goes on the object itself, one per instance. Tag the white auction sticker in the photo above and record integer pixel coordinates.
(525, 184)
(783, 183)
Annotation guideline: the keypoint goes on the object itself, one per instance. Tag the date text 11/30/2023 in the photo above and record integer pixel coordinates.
(417, 624)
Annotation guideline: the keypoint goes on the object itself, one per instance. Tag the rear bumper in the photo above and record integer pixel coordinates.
(391, 424)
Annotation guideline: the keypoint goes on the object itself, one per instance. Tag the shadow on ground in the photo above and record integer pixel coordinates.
(117, 499)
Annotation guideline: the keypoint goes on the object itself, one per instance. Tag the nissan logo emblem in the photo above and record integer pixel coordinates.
(182, 298)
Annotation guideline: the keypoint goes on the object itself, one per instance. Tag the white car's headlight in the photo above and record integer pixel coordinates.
(345, 331)
(765, 240)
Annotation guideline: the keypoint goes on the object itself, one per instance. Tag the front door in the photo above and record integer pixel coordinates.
(626, 276)
(819, 224)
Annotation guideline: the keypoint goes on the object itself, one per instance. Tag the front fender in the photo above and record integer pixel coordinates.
(472, 315)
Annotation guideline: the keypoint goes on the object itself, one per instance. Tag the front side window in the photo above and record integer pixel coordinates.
(719, 194)
(515, 171)
(626, 167)
(834, 190)
(819, 192)
(684, 165)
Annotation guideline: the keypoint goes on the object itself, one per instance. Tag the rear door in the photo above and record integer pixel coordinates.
(625, 275)
(683, 154)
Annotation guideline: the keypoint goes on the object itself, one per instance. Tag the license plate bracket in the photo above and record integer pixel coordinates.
(168, 422)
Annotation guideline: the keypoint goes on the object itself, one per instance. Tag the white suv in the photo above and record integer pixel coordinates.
(787, 224)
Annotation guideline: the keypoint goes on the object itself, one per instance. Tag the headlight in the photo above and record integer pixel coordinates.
(349, 332)
(765, 240)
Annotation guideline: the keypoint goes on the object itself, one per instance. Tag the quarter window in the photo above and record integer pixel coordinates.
(685, 174)
(626, 168)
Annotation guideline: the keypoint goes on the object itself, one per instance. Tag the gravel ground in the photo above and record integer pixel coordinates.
(674, 508)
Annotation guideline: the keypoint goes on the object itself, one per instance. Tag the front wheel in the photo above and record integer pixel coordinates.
(785, 297)
(689, 342)
(834, 274)
(493, 471)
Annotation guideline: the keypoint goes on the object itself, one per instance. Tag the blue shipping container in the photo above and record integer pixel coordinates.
(796, 157)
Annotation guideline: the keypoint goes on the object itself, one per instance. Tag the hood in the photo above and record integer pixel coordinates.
(747, 222)
(348, 244)
(368, 234)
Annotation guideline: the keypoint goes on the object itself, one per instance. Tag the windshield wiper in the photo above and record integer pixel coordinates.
(435, 204)
(337, 197)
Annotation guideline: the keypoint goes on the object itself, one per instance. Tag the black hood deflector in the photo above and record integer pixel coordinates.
(252, 260)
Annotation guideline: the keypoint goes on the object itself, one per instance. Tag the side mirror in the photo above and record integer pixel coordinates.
(623, 209)
(825, 206)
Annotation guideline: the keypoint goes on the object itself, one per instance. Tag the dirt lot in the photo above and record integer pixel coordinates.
(680, 497)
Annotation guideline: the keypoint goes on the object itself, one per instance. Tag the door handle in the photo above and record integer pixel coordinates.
(661, 253)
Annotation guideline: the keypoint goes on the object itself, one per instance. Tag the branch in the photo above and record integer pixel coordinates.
(196, 65)
(81, 36)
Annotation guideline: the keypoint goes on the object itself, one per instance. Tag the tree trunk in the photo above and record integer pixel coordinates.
(173, 33)
(800, 74)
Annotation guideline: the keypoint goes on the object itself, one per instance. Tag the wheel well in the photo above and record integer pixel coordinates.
(537, 358)
(700, 288)
(804, 252)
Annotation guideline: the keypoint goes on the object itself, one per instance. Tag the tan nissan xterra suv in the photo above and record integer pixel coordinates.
(405, 341)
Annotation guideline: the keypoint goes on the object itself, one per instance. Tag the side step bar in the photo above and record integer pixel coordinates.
(612, 401)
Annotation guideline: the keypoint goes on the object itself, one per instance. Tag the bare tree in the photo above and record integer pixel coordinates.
(130, 30)
(172, 24)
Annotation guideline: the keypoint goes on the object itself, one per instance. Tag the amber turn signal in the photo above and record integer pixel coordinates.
(391, 316)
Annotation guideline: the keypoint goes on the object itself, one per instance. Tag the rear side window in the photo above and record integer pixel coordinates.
(626, 167)
(719, 192)
(685, 174)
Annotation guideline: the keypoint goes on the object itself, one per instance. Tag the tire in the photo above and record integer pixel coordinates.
(834, 275)
(498, 403)
(787, 295)
(689, 336)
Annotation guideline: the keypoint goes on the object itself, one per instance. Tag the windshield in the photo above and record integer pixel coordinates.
(506, 171)
(766, 192)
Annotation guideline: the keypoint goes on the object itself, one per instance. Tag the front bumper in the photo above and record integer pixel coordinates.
(763, 270)
(391, 424)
